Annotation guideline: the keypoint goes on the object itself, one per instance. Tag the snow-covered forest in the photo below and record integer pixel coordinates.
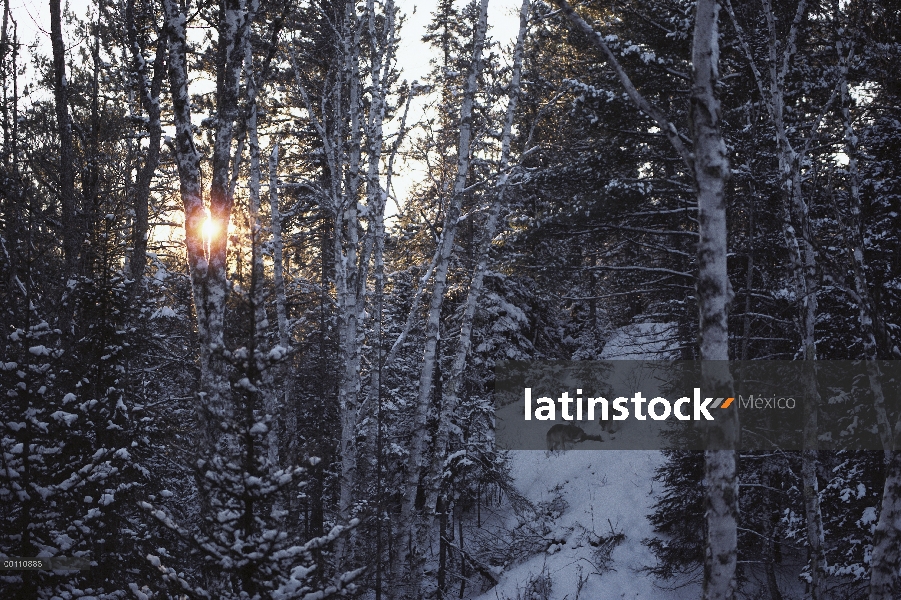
(256, 276)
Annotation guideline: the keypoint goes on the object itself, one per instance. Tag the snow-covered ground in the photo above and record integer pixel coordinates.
(604, 493)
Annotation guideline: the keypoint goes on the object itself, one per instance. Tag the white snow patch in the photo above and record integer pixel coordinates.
(64, 542)
(164, 312)
(603, 490)
(64, 417)
(869, 516)
(140, 595)
(277, 353)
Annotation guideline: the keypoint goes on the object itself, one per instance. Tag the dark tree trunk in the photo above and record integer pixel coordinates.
(71, 230)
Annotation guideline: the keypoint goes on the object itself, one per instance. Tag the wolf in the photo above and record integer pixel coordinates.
(563, 437)
(611, 426)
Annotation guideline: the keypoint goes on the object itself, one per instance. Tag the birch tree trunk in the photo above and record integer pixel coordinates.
(854, 238)
(885, 561)
(258, 285)
(796, 229)
(208, 286)
(453, 386)
(278, 245)
(207, 257)
(382, 52)
(381, 49)
(869, 319)
(711, 170)
(347, 271)
(340, 127)
(415, 545)
(802, 257)
(709, 166)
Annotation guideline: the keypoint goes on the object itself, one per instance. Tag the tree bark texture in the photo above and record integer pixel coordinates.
(711, 170)
(149, 92)
(454, 384)
(709, 165)
(413, 539)
(71, 231)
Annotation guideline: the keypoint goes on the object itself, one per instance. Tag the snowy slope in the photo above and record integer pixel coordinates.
(604, 493)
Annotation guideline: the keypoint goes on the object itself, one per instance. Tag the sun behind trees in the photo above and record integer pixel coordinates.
(235, 363)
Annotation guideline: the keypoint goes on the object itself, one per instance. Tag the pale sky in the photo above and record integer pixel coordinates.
(413, 59)
(413, 56)
(33, 17)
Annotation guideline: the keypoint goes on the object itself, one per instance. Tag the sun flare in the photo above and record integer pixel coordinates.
(208, 229)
